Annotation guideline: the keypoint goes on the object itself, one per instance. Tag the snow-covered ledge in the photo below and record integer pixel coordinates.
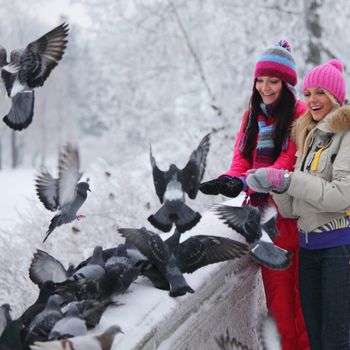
(228, 295)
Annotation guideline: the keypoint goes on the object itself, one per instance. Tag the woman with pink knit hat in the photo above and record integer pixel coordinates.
(317, 193)
(264, 141)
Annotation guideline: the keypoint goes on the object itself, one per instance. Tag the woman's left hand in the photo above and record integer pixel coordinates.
(268, 179)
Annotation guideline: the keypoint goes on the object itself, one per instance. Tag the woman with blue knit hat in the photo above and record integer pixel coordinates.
(264, 141)
(317, 193)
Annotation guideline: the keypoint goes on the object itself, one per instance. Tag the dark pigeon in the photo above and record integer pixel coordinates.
(5, 317)
(44, 267)
(92, 310)
(158, 252)
(71, 325)
(28, 69)
(10, 338)
(171, 187)
(64, 193)
(259, 230)
(43, 322)
(101, 341)
(46, 290)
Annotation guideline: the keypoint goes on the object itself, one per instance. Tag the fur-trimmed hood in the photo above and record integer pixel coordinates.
(337, 121)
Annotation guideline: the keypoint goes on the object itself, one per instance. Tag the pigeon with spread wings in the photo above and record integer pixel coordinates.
(171, 187)
(259, 229)
(28, 69)
(65, 193)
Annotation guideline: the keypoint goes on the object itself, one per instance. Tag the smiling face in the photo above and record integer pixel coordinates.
(269, 88)
(318, 103)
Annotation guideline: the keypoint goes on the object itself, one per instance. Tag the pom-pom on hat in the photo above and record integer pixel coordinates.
(328, 76)
(277, 62)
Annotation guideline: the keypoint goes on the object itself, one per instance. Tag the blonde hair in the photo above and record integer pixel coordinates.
(304, 127)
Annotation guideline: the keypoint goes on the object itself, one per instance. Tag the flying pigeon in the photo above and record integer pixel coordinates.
(269, 338)
(102, 341)
(28, 69)
(258, 230)
(65, 193)
(5, 316)
(157, 251)
(71, 325)
(171, 187)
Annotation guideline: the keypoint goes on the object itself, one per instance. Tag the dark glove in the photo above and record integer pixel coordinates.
(209, 187)
(226, 185)
(230, 186)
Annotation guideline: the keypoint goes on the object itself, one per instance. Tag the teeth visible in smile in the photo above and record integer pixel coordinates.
(316, 108)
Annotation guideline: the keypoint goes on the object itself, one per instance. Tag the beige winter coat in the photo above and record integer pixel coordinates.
(319, 191)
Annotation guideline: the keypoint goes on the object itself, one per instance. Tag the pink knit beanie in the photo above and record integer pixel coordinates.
(328, 76)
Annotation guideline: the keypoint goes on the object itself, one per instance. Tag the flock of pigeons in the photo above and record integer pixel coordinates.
(71, 300)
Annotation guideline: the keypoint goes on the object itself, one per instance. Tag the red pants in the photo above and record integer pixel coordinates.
(282, 291)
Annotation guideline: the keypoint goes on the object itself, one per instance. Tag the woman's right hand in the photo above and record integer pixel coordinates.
(225, 185)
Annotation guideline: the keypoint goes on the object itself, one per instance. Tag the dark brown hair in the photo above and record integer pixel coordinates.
(283, 114)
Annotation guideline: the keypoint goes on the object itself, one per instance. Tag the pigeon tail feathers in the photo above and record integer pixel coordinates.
(271, 256)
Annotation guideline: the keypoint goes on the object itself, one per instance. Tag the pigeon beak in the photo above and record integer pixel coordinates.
(89, 189)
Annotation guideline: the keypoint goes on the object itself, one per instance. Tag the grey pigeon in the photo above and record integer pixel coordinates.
(65, 193)
(269, 338)
(158, 252)
(5, 316)
(28, 69)
(259, 230)
(171, 187)
(101, 341)
(44, 321)
(44, 267)
(71, 325)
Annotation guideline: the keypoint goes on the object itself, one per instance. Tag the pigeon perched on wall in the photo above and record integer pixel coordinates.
(101, 341)
(28, 69)
(258, 230)
(178, 258)
(157, 251)
(171, 187)
(65, 193)
(71, 325)
(5, 316)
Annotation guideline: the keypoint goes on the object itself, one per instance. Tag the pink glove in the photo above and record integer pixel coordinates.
(269, 179)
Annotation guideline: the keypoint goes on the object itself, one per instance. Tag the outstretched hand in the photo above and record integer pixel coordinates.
(225, 185)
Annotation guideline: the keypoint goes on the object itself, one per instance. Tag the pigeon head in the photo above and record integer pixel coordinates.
(83, 187)
(6, 307)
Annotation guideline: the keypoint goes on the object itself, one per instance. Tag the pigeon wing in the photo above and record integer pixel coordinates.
(200, 250)
(44, 267)
(47, 190)
(148, 243)
(269, 221)
(269, 336)
(241, 219)
(41, 56)
(193, 172)
(68, 174)
(159, 178)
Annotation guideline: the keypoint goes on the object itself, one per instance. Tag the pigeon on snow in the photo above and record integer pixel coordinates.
(171, 187)
(258, 230)
(157, 251)
(71, 325)
(28, 69)
(102, 341)
(170, 259)
(5, 316)
(10, 339)
(65, 193)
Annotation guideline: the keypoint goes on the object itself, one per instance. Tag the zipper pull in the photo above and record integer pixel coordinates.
(307, 237)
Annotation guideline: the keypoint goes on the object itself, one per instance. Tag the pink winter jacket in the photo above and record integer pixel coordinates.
(286, 159)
